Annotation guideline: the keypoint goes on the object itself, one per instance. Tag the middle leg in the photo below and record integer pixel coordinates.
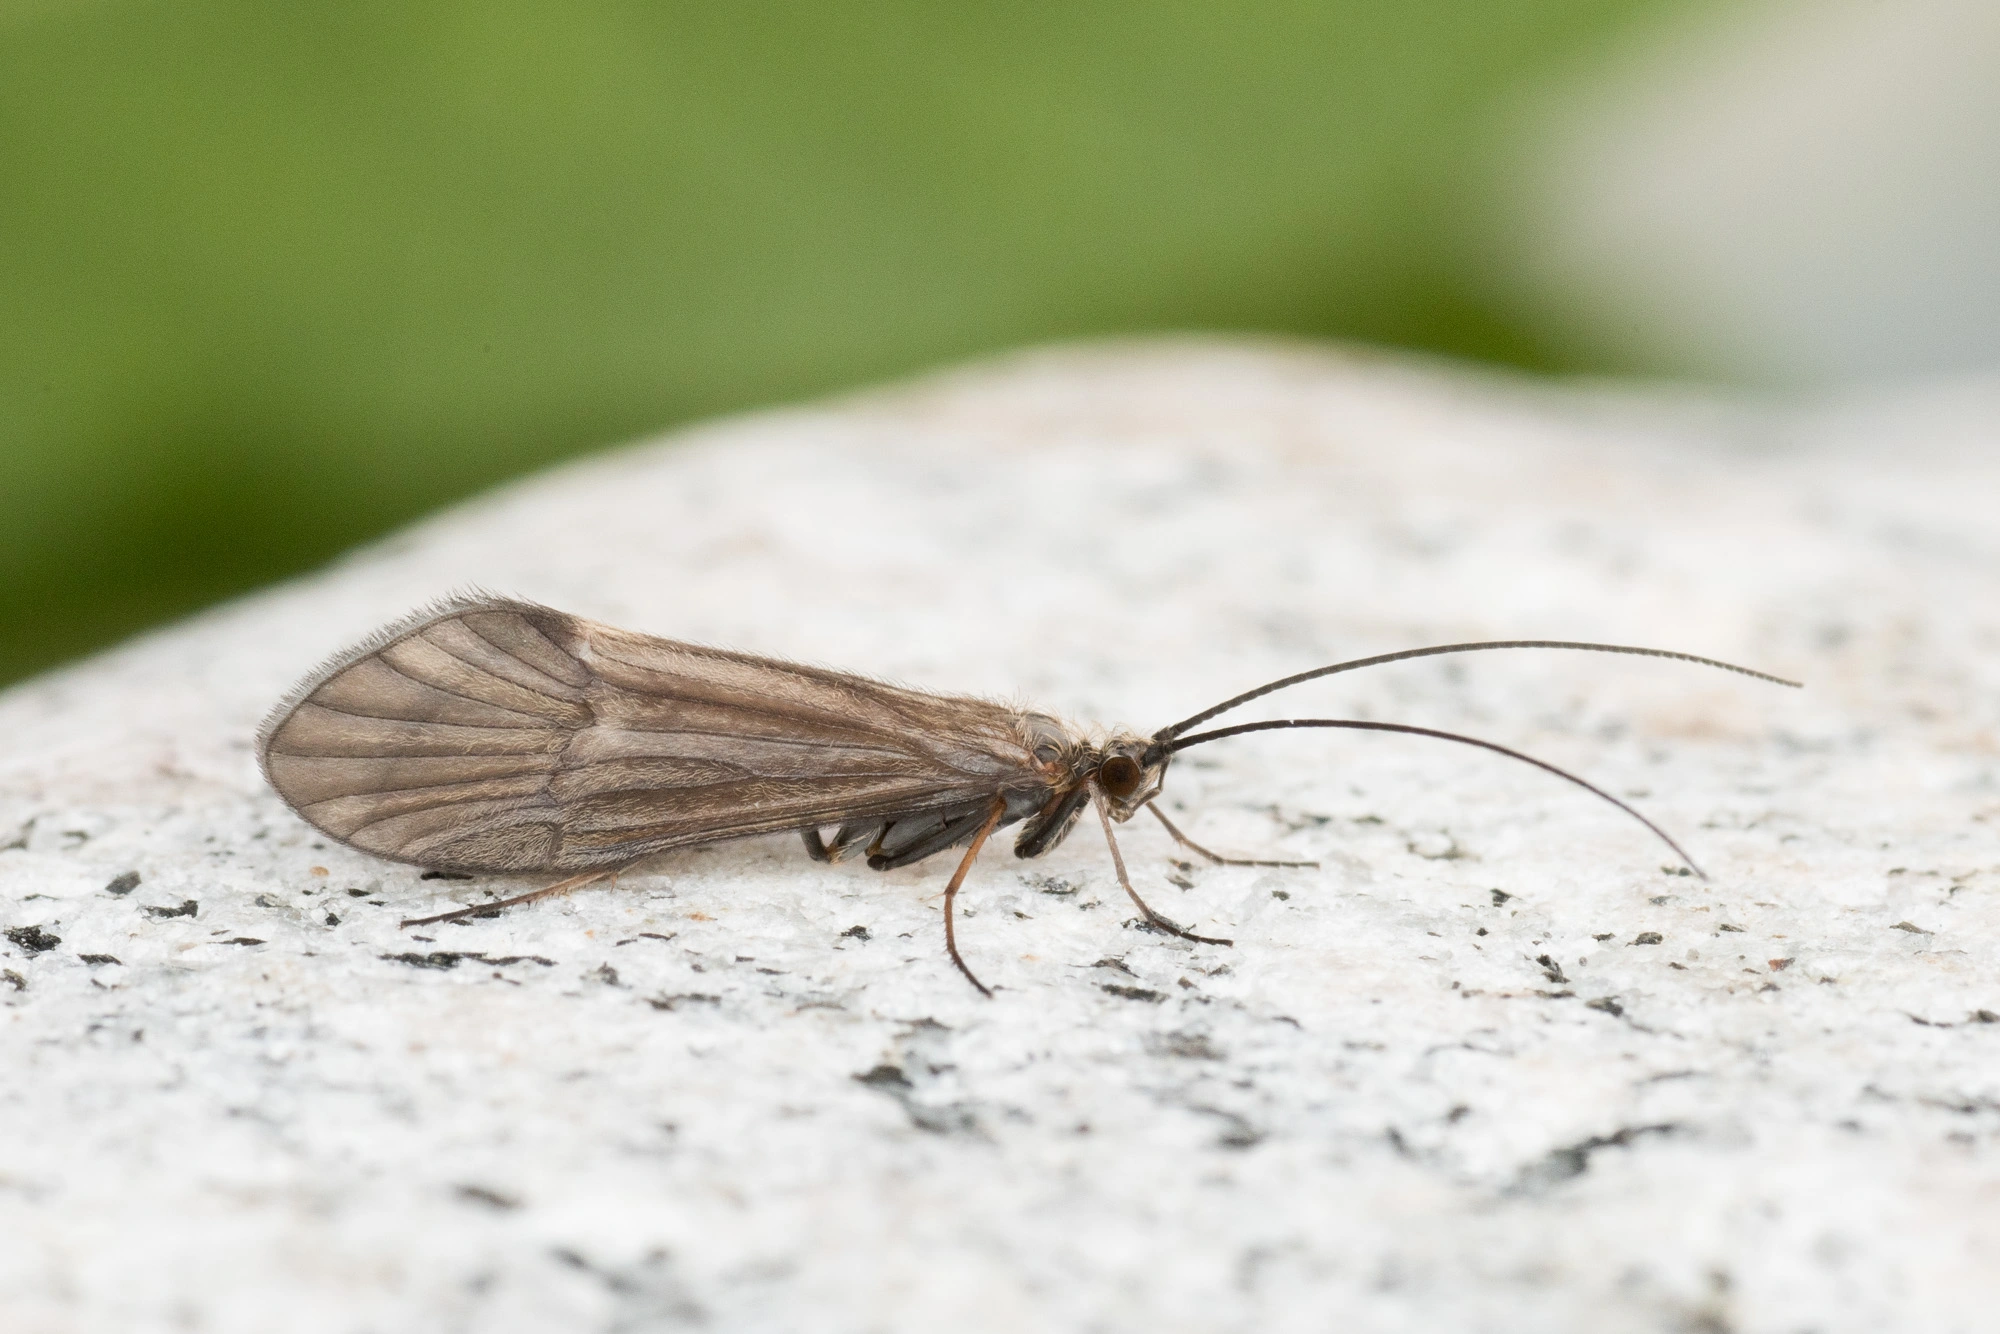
(1215, 858)
(999, 809)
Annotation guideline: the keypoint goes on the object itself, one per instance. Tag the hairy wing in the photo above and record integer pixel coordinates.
(500, 736)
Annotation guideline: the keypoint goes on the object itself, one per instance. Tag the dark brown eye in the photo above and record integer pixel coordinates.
(1119, 775)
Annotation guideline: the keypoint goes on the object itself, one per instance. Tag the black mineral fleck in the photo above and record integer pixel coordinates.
(439, 959)
(32, 938)
(684, 998)
(486, 1195)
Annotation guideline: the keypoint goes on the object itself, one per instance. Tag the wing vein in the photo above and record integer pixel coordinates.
(529, 720)
(802, 743)
(473, 630)
(470, 624)
(538, 724)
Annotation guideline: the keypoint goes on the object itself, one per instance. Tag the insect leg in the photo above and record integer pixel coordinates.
(957, 879)
(846, 840)
(1118, 861)
(1200, 851)
(919, 837)
(574, 882)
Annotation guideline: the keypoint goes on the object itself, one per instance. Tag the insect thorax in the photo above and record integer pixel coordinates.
(1075, 763)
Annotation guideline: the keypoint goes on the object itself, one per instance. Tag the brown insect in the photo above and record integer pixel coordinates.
(492, 735)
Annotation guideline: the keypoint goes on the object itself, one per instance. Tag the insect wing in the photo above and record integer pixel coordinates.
(501, 736)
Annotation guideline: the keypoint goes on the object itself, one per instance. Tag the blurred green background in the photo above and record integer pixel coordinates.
(276, 278)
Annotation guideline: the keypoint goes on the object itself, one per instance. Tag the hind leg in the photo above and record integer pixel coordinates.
(568, 886)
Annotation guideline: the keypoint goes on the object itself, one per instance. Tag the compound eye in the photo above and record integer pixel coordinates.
(1120, 775)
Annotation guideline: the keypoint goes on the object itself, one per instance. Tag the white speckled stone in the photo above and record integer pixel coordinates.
(1437, 1084)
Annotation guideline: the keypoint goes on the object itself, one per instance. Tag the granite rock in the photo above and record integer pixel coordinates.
(1496, 1063)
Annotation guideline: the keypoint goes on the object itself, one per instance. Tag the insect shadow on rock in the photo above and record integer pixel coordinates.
(489, 735)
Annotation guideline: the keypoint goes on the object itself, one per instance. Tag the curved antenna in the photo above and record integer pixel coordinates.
(1157, 752)
(1169, 733)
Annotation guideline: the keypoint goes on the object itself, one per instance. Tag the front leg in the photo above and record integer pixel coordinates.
(1165, 924)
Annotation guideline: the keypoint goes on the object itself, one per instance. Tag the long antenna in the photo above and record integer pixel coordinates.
(1169, 733)
(1158, 751)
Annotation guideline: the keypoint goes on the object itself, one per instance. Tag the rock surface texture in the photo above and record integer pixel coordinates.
(1490, 1066)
